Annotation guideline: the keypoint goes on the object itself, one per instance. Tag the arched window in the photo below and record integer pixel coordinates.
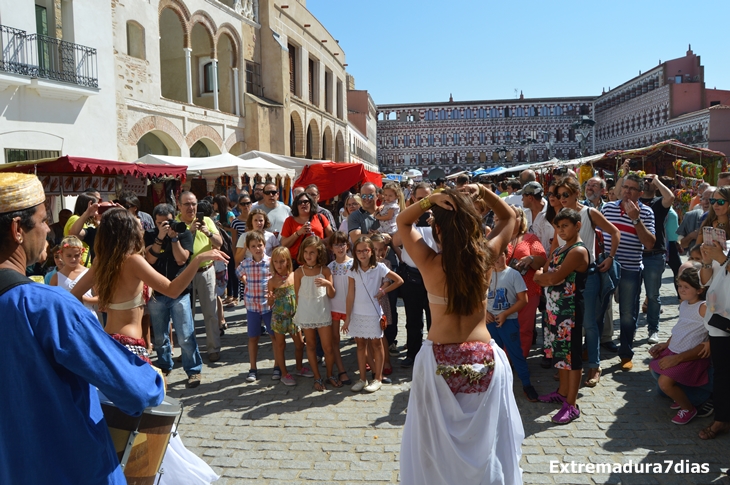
(455, 114)
(468, 113)
(135, 40)
(494, 113)
(442, 114)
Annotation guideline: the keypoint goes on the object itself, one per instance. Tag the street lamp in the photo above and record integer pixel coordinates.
(583, 126)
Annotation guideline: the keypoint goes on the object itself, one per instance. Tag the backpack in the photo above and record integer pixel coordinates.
(227, 246)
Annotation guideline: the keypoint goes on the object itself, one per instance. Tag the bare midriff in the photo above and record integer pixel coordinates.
(125, 322)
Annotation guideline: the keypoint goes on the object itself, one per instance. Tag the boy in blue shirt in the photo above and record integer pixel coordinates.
(507, 296)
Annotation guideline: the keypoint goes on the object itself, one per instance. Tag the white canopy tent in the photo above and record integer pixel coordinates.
(210, 168)
(291, 163)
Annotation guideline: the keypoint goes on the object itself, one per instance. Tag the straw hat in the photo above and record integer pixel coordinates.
(20, 191)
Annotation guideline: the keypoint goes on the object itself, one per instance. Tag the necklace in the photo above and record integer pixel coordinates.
(309, 267)
(720, 225)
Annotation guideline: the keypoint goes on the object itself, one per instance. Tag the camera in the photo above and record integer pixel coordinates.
(560, 171)
(177, 226)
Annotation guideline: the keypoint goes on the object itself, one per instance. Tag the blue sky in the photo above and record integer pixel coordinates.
(407, 51)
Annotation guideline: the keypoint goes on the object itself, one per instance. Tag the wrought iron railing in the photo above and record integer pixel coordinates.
(45, 57)
(14, 45)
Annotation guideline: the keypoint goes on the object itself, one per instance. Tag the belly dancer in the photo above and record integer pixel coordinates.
(462, 424)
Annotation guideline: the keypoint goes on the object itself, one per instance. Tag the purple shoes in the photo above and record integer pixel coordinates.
(566, 414)
(553, 397)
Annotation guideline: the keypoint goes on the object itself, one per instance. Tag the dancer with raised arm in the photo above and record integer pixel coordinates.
(462, 424)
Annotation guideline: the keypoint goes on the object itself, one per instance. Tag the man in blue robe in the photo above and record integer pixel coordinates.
(52, 429)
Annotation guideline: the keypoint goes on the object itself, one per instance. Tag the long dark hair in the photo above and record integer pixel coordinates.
(119, 236)
(466, 259)
(312, 205)
(82, 203)
(550, 211)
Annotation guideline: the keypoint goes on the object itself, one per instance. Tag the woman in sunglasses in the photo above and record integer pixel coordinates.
(717, 216)
(303, 222)
(568, 191)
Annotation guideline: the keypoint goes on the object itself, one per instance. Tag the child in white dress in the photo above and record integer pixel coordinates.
(393, 203)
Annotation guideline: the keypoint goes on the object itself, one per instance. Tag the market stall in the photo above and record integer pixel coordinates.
(292, 163)
(225, 173)
(69, 175)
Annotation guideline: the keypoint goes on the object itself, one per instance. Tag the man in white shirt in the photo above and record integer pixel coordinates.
(277, 211)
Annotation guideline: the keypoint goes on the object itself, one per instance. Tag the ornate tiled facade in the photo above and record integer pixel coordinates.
(668, 101)
(456, 136)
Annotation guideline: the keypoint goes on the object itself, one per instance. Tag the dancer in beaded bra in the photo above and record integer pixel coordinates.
(463, 425)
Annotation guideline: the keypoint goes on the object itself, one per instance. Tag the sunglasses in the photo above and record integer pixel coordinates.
(367, 196)
(303, 202)
(564, 195)
(244, 204)
(270, 192)
(720, 202)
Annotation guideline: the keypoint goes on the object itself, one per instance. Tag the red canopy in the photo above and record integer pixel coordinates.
(95, 166)
(334, 178)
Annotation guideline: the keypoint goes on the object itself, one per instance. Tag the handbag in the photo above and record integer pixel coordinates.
(719, 322)
(378, 309)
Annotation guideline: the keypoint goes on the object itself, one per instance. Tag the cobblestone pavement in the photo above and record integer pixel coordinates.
(267, 433)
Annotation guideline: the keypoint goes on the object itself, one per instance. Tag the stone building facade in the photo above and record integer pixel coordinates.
(363, 125)
(56, 82)
(204, 77)
(668, 101)
(457, 136)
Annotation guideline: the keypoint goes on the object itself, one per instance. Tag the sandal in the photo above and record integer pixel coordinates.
(709, 434)
(319, 385)
(594, 377)
(347, 381)
(334, 381)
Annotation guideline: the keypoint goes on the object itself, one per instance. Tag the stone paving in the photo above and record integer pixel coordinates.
(267, 433)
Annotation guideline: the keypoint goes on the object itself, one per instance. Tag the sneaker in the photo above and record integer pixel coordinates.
(653, 338)
(387, 380)
(675, 406)
(276, 375)
(304, 372)
(288, 380)
(253, 375)
(193, 381)
(626, 364)
(684, 416)
(373, 386)
(530, 393)
(566, 414)
(393, 349)
(358, 386)
(407, 362)
(706, 409)
(553, 397)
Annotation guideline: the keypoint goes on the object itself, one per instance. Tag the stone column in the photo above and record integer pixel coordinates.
(236, 95)
(188, 74)
(215, 84)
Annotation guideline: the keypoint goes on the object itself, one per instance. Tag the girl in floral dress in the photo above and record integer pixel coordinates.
(565, 280)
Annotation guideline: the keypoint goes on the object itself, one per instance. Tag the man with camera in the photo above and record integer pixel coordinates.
(169, 248)
(205, 237)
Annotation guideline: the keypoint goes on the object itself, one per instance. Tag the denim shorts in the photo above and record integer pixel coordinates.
(254, 321)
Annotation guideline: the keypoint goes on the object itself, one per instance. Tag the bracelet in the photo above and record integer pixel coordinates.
(706, 266)
(725, 262)
(425, 203)
(158, 241)
(154, 253)
(210, 235)
(611, 256)
(174, 239)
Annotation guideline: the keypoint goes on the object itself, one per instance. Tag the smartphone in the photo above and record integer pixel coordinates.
(708, 235)
(103, 208)
(719, 235)
(199, 216)
(514, 263)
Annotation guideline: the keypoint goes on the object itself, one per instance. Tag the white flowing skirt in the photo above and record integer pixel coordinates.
(462, 438)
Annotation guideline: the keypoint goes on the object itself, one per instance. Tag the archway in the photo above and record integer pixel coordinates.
(151, 144)
(296, 135)
(339, 147)
(314, 148)
(173, 83)
(226, 62)
(202, 68)
(327, 145)
(204, 147)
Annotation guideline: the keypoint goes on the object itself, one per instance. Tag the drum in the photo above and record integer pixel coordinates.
(141, 442)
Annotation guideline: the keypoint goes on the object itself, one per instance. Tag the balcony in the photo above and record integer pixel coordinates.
(54, 68)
